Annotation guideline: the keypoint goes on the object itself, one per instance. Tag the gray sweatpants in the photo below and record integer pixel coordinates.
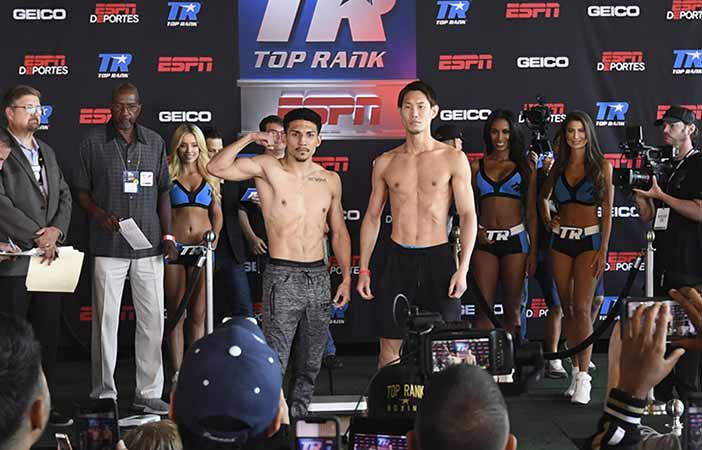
(297, 297)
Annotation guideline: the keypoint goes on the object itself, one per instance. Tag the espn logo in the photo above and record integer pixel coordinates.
(697, 109)
(181, 64)
(44, 65)
(685, 9)
(361, 108)
(622, 261)
(474, 156)
(115, 13)
(126, 313)
(94, 116)
(618, 161)
(538, 308)
(465, 62)
(355, 261)
(556, 108)
(550, 10)
(334, 163)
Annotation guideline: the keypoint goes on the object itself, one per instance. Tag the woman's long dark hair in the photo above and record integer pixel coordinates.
(517, 150)
(593, 153)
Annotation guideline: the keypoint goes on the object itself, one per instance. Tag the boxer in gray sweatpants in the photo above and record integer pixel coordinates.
(298, 199)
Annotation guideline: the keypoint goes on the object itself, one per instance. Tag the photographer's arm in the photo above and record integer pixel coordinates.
(690, 209)
(543, 203)
(647, 210)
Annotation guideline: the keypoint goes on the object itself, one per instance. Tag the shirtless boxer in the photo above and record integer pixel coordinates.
(421, 177)
(298, 198)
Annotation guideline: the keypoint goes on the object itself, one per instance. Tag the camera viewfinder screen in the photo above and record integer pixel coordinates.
(447, 352)
(694, 427)
(379, 442)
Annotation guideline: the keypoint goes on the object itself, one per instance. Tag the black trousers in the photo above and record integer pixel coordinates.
(42, 310)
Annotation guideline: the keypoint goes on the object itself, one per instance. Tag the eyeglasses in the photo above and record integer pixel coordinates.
(31, 109)
(128, 106)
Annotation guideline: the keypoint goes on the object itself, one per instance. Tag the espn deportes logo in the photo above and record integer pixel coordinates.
(613, 11)
(182, 64)
(558, 113)
(115, 13)
(611, 114)
(94, 116)
(685, 10)
(114, 65)
(39, 14)
(697, 109)
(550, 10)
(452, 12)
(360, 109)
(184, 116)
(335, 269)
(543, 62)
(466, 62)
(622, 261)
(464, 115)
(333, 163)
(537, 308)
(626, 61)
(183, 14)
(687, 62)
(44, 65)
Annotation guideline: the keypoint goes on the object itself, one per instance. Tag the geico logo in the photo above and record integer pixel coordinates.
(464, 114)
(352, 215)
(614, 11)
(542, 62)
(184, 116)
(621, 212)
(39, 14)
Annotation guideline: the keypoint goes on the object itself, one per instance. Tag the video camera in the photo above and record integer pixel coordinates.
(537, 120)
(655, 161)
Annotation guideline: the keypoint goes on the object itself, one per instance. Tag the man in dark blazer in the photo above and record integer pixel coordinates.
(35, 205)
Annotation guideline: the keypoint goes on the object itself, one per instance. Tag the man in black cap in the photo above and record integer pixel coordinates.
(451, 135)
(677, 210)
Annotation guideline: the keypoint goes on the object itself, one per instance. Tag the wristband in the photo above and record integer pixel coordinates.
(168, 237)
(364, 272)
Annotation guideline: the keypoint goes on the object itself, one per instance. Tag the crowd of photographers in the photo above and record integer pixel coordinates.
(228, 393)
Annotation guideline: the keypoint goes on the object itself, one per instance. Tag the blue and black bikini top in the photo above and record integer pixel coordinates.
(583, 192)
(181, 197)
(510, 186)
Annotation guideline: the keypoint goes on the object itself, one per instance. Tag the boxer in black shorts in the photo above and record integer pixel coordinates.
(421, 178)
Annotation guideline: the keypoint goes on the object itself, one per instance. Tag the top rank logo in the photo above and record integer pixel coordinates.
(44, 65)
(183, 14)
(621, 62)
(611, 114)
(685, 10)
(452, 12)
(115, 13)
(687, 62)
(550, 10)
(114, 65)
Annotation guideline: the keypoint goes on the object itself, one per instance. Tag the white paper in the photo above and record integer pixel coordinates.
(131, 232)
(61, 276)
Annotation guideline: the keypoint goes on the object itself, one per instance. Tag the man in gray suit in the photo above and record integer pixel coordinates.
(36, 210)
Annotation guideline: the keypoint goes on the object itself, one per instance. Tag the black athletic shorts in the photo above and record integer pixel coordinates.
(423, 276)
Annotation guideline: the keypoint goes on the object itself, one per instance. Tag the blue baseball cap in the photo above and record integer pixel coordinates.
(228, 389)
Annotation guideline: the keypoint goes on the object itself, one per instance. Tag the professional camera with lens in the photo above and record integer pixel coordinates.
(654, 161)
(537, 120)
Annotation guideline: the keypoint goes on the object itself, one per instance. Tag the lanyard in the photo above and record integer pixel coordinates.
(690, 153)
(126, 152)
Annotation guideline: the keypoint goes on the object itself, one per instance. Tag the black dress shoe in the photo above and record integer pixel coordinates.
(332, 362)
(57, 419)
